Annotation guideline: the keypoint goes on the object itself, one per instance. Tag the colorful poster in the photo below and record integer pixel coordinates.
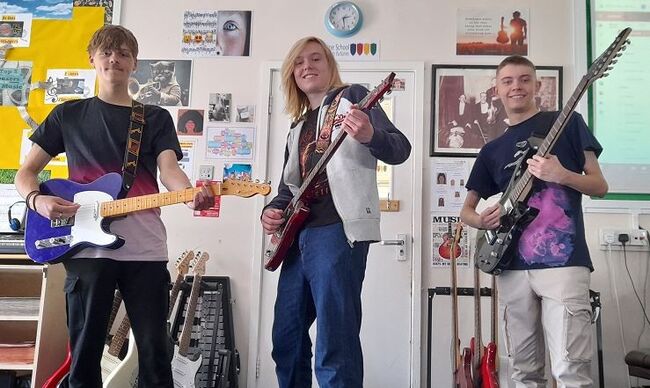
(14, 83)
(230, 143)
(492, 31)
(445, 241)
(40, 9)
(69, 84)
(212, 211)
(216, 33)
(354, 50)
(238, 171)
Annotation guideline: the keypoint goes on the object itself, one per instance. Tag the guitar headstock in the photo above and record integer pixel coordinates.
(605, 62)
(183, 262)
(198, 264)
(378, 92)
(244, 188)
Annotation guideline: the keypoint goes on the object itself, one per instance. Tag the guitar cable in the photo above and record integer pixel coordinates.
(612, 280)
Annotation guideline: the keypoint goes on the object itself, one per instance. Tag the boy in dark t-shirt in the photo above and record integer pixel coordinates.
(549, 266)
(93, 134)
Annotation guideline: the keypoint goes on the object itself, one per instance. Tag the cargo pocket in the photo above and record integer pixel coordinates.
(74, 305)
(578, 344)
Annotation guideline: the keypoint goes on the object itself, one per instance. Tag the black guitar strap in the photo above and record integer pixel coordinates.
(132, 147)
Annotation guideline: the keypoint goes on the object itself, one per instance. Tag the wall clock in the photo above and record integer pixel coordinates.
(343, 19)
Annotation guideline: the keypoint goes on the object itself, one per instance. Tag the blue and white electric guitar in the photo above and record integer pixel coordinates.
(184, 368)
(50, 241)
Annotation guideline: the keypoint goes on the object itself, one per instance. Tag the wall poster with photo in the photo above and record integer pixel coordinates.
(162, 82)
(112, 8)
(466, 111)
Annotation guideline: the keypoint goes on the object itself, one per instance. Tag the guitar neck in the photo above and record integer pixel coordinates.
(522, 187)
(184, 341)
(117, 301)
(454, 308)
(125, 206)
(478, 341)
(174, 293)
(494, 328)
(120, 336)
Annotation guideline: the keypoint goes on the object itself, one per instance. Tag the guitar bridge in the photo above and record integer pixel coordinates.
(53, 242)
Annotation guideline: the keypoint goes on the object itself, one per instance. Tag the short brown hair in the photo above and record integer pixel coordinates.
(113, 37)
(297, 102)
(515, 60)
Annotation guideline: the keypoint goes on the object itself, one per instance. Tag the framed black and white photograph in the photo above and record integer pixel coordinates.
(162, 82)
(466, 111)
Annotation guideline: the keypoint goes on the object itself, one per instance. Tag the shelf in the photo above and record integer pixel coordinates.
(19, 357)
(19, 309)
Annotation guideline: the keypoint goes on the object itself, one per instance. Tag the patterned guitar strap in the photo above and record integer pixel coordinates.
(132, 147)
(325, 135)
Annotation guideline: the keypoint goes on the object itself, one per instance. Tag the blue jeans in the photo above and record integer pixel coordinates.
(320, 280)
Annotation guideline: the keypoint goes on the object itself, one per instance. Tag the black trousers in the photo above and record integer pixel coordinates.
(90, 286)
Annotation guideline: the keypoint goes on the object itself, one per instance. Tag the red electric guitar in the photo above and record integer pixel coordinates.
(297, 211)
(445, 249)
(489, 371)
(461, 365)
(61, 374)
(483, 358)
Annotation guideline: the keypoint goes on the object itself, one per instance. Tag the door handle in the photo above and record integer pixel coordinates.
(393, 242)
(401, 244)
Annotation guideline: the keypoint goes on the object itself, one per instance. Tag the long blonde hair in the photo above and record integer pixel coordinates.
(296, 100)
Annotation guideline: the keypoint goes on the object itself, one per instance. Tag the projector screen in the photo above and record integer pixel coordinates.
(619, 105)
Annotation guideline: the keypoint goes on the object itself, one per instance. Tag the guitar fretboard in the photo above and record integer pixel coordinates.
(121, 207)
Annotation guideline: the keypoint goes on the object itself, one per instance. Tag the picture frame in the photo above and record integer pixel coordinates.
(113, 8)
(465, 111)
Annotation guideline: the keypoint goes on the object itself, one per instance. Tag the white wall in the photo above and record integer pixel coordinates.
(409, 30)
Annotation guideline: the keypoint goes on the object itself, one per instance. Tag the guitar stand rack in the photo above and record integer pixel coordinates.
(594, 297)
(212, 332)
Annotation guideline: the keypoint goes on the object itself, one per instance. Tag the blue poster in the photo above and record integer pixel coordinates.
(40, 9)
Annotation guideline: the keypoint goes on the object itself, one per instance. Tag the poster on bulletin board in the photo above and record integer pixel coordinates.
(57, 41)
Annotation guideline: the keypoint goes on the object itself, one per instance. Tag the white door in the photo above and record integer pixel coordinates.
(390, 328)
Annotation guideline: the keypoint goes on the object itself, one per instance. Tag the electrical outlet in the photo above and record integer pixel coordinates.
(638, 239)
(206, 172)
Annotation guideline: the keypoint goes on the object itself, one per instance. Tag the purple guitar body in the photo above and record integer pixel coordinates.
(50, 241)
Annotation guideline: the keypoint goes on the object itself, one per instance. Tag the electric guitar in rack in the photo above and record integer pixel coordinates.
(50, 241)
(184, 368)
(493, 245)
(125, 373)
(461, 364)
(297, 211)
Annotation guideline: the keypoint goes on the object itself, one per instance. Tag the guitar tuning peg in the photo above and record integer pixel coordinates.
(614, 61)
(605, 75)
(628, 41)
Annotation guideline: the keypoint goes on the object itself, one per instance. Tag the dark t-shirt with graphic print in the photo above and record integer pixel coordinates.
(556, 237)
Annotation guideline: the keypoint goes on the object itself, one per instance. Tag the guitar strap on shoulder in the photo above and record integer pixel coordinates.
(132, 147)
(325, 134)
